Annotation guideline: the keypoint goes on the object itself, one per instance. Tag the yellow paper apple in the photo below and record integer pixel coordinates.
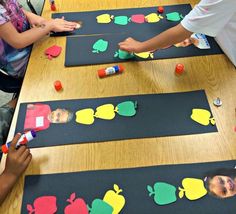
(193, 188)
(202, 116)
(85, 116)
(104, 18)
(153, 17)
(144, 55)
(114, 199)
(106, 112)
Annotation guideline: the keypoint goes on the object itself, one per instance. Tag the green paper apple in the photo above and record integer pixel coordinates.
(100, 207)
(174, 16)
(164, 193)
(121, 20)
(100, 46)
(127, 108)
(123, 54)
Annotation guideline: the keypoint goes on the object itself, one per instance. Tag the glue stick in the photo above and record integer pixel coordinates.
(110, 70)
(25, 138)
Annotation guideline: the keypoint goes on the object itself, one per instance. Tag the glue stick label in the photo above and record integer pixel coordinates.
(110, 70)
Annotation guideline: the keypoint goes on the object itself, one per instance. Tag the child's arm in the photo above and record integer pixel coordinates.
(24, 39)
(167, 38)
(33, 19)
(16, 163)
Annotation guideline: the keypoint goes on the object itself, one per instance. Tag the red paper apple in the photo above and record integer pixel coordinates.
(43, 205)
(76, 206)
(53, 51)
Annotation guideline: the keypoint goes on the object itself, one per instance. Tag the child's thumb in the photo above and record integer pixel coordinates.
(14, 141)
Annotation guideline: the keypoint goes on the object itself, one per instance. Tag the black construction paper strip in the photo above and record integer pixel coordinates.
(157, 115)
(94, 184)
(90, 25)
(79, 50)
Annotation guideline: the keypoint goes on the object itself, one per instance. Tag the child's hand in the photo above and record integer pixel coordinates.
(17, 159)
(131, 45)
(60, 25)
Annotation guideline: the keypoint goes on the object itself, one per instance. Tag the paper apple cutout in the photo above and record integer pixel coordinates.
(202, 116)
(76, 206)
(144, 55)
(100, 207)
(153, 18)
(174, 16)
(105, 112)
(114, 199)
(104, 18)
(85, 116)
(123, 54)
(164, 193)
(121, 20)
(193, 188)
(42, 205)
(100, 46)
(53, 51)
(138, 18)
(127, 108)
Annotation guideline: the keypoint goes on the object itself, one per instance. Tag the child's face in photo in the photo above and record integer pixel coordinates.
(59, 116)
(222, 186)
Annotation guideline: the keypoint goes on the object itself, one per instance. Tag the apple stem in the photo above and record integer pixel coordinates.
(119, 191)
(89, 208)
(70, 201)
(151, 193)
(116, 109)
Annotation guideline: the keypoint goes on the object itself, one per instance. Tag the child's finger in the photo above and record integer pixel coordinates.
(21, 150)
(24, 155)
(14, 142)
(27, 160)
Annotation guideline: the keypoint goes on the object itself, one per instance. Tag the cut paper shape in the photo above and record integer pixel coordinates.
(100, 207)
(114, 199)
(76, 206)
(43, 204)
(127, 108)
(202, 116)
(53, 51)
(85, 116)
(106, 112)
(123, 54)
(144, 55)
(193, 188)
(164, 193)
(153, 18)
(121, 20)
(137, 18)
(174, 16)
(104, 18)
(100, 46)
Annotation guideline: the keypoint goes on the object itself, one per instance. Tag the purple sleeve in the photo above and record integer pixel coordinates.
(4, 17)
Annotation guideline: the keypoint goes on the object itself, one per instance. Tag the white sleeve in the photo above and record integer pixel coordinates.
(209, 16)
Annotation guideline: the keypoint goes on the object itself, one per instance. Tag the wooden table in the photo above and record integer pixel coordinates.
(214, 73)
